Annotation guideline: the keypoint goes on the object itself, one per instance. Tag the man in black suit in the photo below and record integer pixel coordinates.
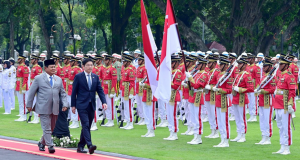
(85, 86)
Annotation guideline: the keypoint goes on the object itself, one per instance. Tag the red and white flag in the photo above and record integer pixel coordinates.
(171, 44)
(149, 49)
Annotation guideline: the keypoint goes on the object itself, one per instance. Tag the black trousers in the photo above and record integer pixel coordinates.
(86, 117)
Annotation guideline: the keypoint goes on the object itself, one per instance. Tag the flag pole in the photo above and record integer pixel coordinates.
(158, 60)
(183, 56)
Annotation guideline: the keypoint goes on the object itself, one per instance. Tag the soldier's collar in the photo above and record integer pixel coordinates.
(284, 72)
(35, 65)
(174, 70)
(202, 71)
(108, 66)
(142, 65)
(223, 72)
(68, 65)
(212, 70)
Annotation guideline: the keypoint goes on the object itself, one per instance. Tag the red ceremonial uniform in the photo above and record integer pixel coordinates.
(286, 82)
(35, 70)
(267, 89)
(122, 75)
(245, 84)
(235, 72)
(255, 72)
(141, 73)
(294, 70)
(147, 90)
(74, 70)
(60, 72)
(185, 90)
(225, 88)
(66, 70)
(177, 77)
(109, 80)
(22, 78)
(128, 77)
(213, 75)
(200, 81)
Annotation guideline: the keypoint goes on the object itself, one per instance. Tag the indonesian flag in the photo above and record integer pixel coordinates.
(149, 49)
(171, 44)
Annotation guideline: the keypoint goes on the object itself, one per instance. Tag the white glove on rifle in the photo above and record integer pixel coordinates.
(142, 84)
(236, 88)
(215, 89)
(111, 96)
(131, 96)
(188, 74)
(23, 91)
(183, 84)
(255, 91)
(208, 87)
(290, 109)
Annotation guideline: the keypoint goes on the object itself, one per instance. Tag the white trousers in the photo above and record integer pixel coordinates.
(162, 109)
(265, 121)
(140, 107)
(149, 115)
(223, 123)
(240, 118)
(128, 110)
(185, 105)
(1, 96)
(7, 102)
(180, 104)
(195, 116)
(211, 112)
(72, 116)
(230, 109)
(122, 107)
(98, 105)
(284, 124)
(252, 104)
(172, 118)
(110, 111)
(21, 100)
(12, 98)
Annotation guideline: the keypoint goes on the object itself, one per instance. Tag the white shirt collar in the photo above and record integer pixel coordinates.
(48, 76)
(86, 74)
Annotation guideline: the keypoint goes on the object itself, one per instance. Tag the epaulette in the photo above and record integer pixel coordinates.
(290, 73)
(246, 72)
(217, 69)
(179, 70)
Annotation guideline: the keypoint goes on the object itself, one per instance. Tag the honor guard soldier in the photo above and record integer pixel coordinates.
(13, 83)
(141, 74)
(185, 95)
(110, 89)
(210, 98)
(255, 72)
(99, 67)
(284, 105)
(198, 80)
(66, 69)
(234, 73)
(1, 82)
(74, 70)
(223, 102)
(148, 102)
(266, 92)
(294, 70)
(242, 85)
(128, 91)
(59, 69)
(95, 71)
(22, 87)
(35, 70)
(177, 78)
(6, 78)
(181, 67)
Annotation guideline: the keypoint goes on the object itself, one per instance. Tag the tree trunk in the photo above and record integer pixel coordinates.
(158, 37)
(44, 29)
(11, 38)
(105, 39)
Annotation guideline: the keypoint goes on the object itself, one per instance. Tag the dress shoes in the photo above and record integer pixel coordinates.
(92, 148)
(41, 146)
(51, 149)
(80, 150)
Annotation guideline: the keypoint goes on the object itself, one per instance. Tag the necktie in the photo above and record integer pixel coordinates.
(51, 83)
(89, 81)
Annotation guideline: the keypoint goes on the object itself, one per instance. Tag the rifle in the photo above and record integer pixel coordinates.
(225, 76)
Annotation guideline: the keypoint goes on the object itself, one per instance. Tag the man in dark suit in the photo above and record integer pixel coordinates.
(85, 86)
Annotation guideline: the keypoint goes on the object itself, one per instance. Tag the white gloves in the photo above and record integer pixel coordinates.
(23, 91)
(290, 109)
(188, 74)
(111, 96)
(141, 84)
(208, 87)
(236, 88)
(183, 84)
(131, 96)
(258, 92)
(215, 89)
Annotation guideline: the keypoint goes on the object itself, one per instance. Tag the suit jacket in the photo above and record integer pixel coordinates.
(47, 101)
(82, 95)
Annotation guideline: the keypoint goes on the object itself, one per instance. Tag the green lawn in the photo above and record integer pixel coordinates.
(130, 142)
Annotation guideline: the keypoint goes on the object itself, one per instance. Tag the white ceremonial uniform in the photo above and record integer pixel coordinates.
(1, 80)
(6, 80)
(11, 89)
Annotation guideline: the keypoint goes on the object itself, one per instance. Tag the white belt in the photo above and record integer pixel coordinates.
(198, 90)
(71, 83)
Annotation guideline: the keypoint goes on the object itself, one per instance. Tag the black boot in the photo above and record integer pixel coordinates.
(156, 121)
(103, 121)
(29, 119)
(136, 119)
(185, 121)
(121, 124)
